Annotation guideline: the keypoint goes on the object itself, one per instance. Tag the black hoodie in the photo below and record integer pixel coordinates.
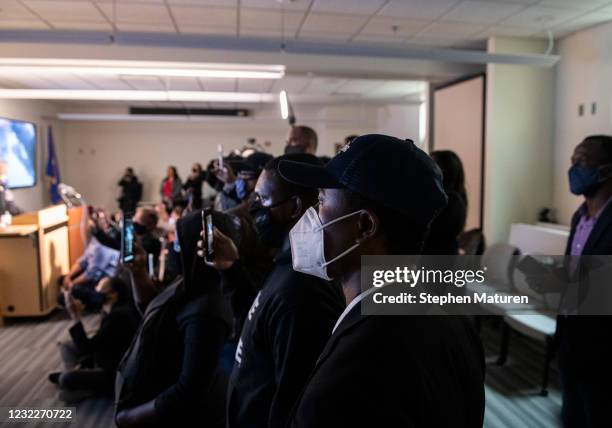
(174, 356)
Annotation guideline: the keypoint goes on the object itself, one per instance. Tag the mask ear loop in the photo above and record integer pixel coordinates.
(348, 250)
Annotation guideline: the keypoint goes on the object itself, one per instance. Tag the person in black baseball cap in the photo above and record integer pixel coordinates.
(239, 179)
(377, 197)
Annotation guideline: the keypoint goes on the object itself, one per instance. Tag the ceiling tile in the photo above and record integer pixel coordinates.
(357, 7)
(358, 86)
(324, 85)
(393, 27)
(146, 28)
(431, 41)
(81, 25)
(451, 30)
(207, 30)
(525, 2)
(399, 88)
(261, 19)
(253, 85)
(333, 23)
(224, 3)
(138, 13)
(508, 30)
(482, 12)
(221, 85)
(264, 33)
(65, 10)
(11, 9)
(35, 82)
(182, 83)
(575, 4)
(584, 21)
(144, 83)
(541, 16)
(376, 39)
(106, 82)
(324, 37)
(417, 9)
(205, 16)
(19, 24)
(273, 4)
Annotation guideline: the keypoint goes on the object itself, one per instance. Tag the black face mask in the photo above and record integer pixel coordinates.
(139, 229)
(269, 234)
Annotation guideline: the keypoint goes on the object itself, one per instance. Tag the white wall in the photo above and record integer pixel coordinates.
(41, 113)
(94, 154)
(519, 140)
(458, 126)
(583, 77)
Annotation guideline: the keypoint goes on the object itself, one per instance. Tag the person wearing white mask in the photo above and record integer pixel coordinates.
(378, 197)
(288, 321)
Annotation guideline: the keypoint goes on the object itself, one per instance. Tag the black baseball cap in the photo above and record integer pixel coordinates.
(253, 163)
(380, 168)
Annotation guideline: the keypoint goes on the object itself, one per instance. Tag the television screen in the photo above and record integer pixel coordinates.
(18, 152)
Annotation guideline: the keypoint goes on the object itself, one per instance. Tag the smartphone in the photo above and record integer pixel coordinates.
(150, 265)
(220, 155)
(207, 227)
(127, 240)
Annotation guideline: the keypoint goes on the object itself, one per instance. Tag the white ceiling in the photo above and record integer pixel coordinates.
(430, 22)
(442, 23)
(302, 89)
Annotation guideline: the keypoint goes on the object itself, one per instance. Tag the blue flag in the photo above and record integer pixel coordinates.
(52, 171)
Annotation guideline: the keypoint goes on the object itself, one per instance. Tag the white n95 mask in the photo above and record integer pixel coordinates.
(307, 247)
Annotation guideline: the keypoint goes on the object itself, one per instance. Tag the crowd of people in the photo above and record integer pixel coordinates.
(270, 332)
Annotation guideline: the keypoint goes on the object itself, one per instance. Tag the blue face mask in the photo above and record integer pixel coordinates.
(584, 180)
(241, 190)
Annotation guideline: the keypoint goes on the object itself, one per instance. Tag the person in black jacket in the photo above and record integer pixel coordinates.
(170, 376)
(288, 321)
(375, 370)
(96, 357)
(585, 342)
(131, 191)
(446, 227)
(193, 186)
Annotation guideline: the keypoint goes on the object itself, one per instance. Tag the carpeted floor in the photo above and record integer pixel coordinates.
(28, 352)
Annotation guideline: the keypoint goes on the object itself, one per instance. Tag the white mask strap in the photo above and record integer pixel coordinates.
(342, 254)
(329, 223)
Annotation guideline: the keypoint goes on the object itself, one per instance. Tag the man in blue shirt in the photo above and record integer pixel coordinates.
(97, 262)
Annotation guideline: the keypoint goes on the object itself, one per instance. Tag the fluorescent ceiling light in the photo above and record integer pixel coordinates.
(44, 66)
(109, 95)
(284, 105)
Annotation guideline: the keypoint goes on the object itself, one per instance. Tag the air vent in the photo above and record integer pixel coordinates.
(164, 111)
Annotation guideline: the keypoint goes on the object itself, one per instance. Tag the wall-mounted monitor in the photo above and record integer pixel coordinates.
(18, 152)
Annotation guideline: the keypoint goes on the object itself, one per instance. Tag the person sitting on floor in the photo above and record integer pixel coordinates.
(91, 362)
(97, 262)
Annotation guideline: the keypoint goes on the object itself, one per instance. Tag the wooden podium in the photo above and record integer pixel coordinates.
(34, 252)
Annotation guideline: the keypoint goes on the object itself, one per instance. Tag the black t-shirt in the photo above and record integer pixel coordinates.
(289, 322)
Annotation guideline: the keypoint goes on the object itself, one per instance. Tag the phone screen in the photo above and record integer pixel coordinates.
(207, 226)
(220, 155)
(127, 241)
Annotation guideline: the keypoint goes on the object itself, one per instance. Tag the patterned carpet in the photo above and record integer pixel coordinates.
(28, 352)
